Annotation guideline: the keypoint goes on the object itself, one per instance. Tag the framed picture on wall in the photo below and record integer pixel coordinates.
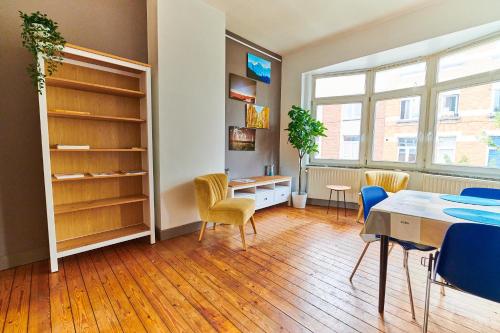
(258, 68)
(257, 116)
(241, 138)
(242, 89)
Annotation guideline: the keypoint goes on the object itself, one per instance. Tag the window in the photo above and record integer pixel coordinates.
(400, 77)
(397, 117)
(409, 109)
(390, 135)
(469, 146)
(448, 105)
(496, 99)
(343, 122)
(474, 60)
(494, 152)
(445, 152)
(340, 85)
(407, 150)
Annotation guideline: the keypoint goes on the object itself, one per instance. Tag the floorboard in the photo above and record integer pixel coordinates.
(293, 278)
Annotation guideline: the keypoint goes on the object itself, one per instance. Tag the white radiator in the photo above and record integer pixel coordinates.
(319, 177)
(453, 185)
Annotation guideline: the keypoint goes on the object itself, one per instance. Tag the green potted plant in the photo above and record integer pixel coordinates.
(303, 130)
(40, 35)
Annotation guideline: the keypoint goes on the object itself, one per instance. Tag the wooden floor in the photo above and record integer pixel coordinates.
(294, 278)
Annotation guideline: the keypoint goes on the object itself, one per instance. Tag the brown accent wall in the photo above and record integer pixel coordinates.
(114, 26)
(251, 163)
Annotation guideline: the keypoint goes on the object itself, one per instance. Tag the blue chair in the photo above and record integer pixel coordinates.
(372, 195)
(469, 261)
(482, 192)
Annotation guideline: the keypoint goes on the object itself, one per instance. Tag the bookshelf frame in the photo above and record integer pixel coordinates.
(79, 225)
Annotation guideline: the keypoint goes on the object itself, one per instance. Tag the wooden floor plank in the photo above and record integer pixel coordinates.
(125, 313)
(103, 310)
(168, 313)
(6, 280)
(83, 315)
(293, 278)
(39, 310)
(17, 314)
(146, 312)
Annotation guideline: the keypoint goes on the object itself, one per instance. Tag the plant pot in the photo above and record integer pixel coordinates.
(299, 200)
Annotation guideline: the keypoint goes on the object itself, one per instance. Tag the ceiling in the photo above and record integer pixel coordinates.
(282, 26)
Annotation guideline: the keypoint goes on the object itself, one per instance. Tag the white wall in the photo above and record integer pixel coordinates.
(188, 102)
(443, 17)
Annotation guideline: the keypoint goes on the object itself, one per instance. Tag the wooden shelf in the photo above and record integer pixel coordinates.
(81, 244)
(75, 207)
(97, 88)
(94, 117)
(89, 177)
(99, 150)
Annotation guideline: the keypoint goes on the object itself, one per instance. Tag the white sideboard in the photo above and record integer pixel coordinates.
(265, 190)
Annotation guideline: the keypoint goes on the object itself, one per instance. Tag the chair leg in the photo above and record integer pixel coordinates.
(359, 261)
(405, 264)
(214, 225)
(360, 209)
(243, 241)
(202, 231)
(442, 288)
(390, 249)
(427, 299)
(253, 225)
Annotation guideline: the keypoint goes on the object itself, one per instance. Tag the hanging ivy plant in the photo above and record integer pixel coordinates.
(40, 36)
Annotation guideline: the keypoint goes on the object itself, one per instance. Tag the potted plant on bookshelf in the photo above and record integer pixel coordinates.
(40, 36)
(303, 130)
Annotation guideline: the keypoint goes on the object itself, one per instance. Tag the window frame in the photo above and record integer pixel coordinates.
(401, 94)
(427, 117)
(363, 121)
(455, 84)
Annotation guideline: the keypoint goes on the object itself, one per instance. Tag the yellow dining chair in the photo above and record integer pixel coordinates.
(390, 181)
(211, 192)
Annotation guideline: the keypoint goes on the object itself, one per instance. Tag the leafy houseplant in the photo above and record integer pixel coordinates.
(40, 36)
(303, 130)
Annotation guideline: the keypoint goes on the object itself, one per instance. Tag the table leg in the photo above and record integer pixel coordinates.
(338, 192)
(384, 253)
(345, 206)
(329, 200)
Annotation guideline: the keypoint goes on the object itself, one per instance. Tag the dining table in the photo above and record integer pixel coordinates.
(413, 216)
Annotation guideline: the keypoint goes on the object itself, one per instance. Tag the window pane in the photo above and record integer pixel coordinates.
(479, 59)
(467, 127)
(400, 77)
(343, 135)
(395, 137)
(340, 85)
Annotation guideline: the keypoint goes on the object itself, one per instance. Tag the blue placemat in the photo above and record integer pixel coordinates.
(470, 200)
(475, 215)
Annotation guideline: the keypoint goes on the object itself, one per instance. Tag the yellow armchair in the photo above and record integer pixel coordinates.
(390, 181)
(214, 207)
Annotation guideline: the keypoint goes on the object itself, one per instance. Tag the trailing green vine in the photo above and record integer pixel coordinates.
(40, 36)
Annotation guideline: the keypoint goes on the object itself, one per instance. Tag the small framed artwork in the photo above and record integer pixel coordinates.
(242, 89)
(257, 116)
(241, 138)
(258, 68)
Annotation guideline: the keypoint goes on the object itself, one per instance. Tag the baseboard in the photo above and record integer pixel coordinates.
(179, 231)
(23, 258)
(333, 204)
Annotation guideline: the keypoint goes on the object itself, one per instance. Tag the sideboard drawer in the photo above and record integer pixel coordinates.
(281, 194)
(264, 198)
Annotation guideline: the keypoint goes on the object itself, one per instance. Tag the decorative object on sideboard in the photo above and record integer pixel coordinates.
(303, 130)
(241, 138)
(257, 116)
(269, 170)
(41, 37)
(242, 89)
(258, 68)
